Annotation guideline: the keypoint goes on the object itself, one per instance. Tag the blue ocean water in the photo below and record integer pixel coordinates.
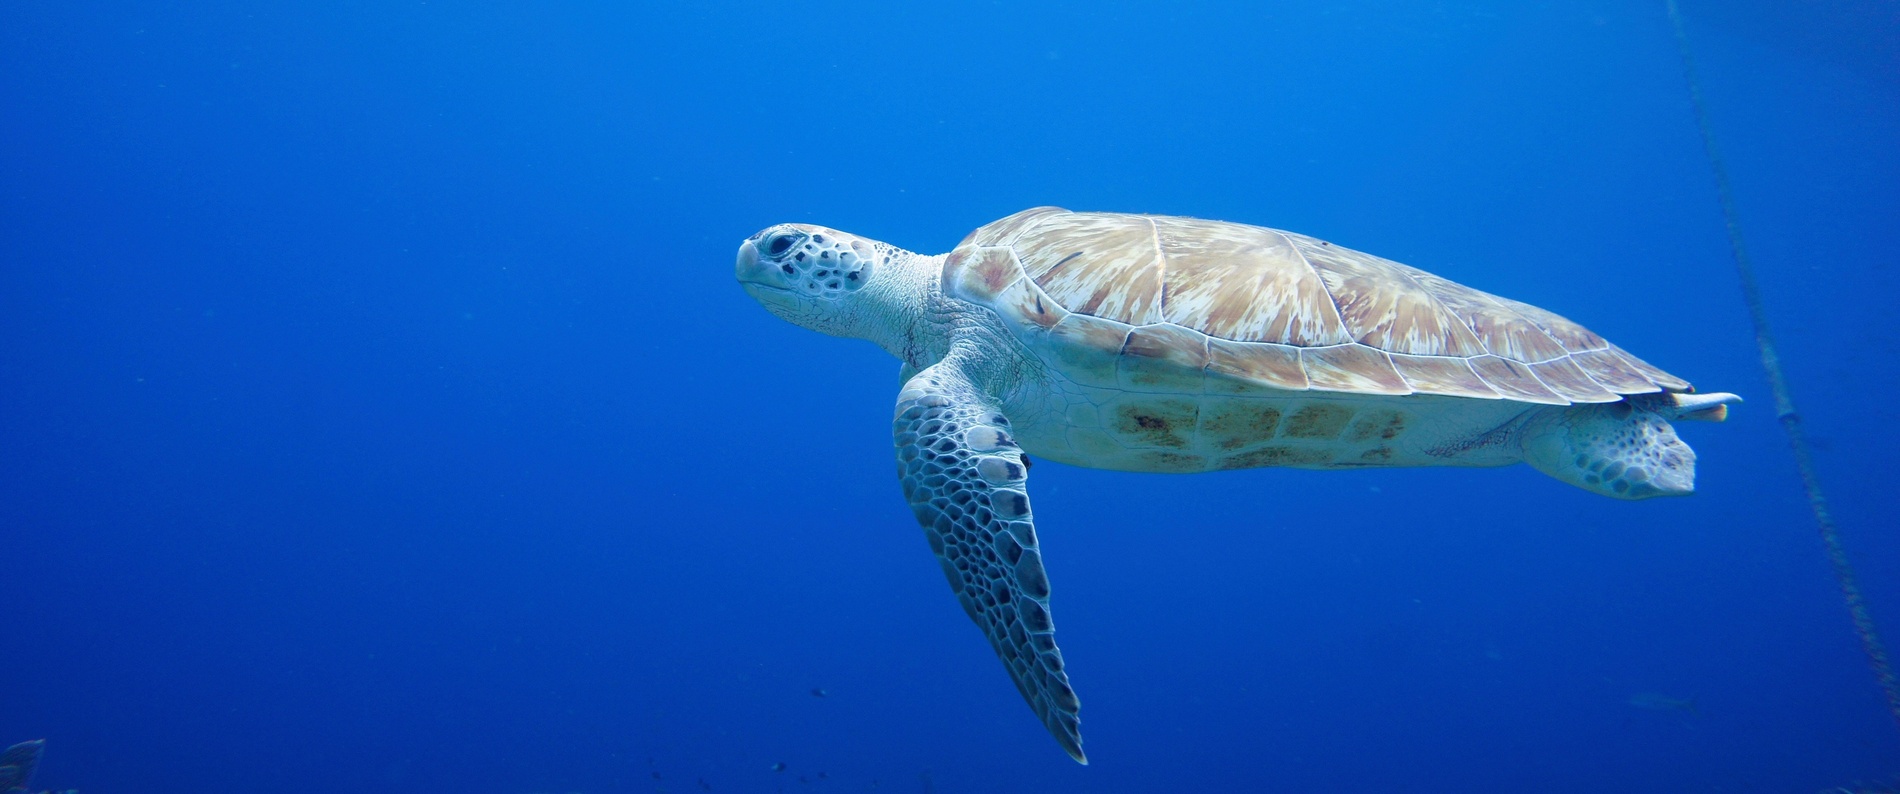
(380, 413)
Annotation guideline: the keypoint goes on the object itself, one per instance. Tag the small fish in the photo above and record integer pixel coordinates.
(778, 767)
(819, 692)
(1656, 701)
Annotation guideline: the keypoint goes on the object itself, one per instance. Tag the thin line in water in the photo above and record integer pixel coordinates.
(1778, 381)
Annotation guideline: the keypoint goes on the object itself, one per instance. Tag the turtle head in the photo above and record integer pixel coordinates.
(815, 277)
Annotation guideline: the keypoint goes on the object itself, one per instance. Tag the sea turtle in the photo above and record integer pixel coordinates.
(1162, 344)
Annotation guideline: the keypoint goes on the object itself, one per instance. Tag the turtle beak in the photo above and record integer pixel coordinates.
(752, 271)
(763, 280)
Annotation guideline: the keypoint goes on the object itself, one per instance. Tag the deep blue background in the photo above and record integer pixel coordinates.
(377, 411)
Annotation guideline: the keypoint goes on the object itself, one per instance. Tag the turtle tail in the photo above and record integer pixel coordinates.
(1627, 449)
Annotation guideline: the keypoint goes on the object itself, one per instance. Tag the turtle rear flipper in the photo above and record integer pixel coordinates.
(1627, 450)
(17, 764)
(1703, 407)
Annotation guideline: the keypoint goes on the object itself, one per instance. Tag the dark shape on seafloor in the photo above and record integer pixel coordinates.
(17, 765)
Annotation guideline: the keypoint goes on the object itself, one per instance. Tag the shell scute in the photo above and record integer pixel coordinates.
(1501, 329)
(1088, 349)
(1243, 283)
(1514, 380)
(1164, 356)
(1382, 307)
(1096, 264)
(1244, 367)
(1156, 304)
(1442, 375)
(978, 274)
(1615, 373)
(1575, 338)
(1656, 376)
(1352, 368)
(1024, 305)
(1568, 380)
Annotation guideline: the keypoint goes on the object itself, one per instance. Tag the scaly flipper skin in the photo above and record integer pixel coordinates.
(964, 478)
(17, 764)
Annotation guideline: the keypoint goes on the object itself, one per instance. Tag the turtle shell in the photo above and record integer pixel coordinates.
(1156, 303)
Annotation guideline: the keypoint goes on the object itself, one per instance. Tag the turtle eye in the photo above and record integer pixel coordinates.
(780, 243)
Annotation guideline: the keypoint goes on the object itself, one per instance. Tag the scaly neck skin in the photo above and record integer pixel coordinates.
(905, 313)
(916, 322)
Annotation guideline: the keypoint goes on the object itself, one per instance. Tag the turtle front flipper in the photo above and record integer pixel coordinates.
(17, 764)
(964, 478)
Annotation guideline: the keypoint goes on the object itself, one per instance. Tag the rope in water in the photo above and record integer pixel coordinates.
(1778, 382)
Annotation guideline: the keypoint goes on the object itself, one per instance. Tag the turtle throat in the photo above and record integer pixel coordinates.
(893, 309)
